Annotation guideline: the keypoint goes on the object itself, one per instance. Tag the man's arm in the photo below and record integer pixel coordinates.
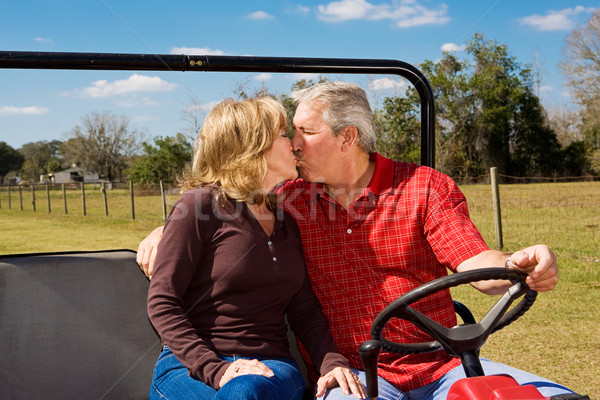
(538, 261)
(146, 253)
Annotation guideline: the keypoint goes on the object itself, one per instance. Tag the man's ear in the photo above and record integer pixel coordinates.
(350, 137)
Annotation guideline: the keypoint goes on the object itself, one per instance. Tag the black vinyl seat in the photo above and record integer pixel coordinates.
(74, 326)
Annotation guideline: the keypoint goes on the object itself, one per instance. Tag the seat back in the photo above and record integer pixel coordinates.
(74, 326)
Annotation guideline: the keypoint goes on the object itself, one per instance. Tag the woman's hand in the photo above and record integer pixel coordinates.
(346, 379)
(245, 367)
(146, 253)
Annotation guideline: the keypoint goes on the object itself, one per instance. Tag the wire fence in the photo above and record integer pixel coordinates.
(124, 198)
(80, 198)
(508, 179)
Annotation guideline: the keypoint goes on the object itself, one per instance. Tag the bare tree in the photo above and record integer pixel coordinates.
(566, 122)
(581, 60)
(581, 65)
(103, 144)
(194, 115)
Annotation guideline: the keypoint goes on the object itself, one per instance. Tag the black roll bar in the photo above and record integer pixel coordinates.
(173, 62)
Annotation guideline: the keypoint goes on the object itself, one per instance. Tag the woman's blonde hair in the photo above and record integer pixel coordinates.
(232, 145)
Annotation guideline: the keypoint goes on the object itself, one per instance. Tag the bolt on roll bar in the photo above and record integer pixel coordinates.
(172, 62)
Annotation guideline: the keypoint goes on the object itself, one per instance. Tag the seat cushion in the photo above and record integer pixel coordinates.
(74, 326)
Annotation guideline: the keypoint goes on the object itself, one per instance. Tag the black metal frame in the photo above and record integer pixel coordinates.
(171, 62)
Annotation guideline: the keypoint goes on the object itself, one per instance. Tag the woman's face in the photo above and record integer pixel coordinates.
(281, 162)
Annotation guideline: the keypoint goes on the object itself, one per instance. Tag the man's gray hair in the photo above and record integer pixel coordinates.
(346, 104)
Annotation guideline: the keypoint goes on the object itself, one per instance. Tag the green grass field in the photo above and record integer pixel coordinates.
(559, 338)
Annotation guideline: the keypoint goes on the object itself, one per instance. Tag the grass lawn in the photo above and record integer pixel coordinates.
(559, 338)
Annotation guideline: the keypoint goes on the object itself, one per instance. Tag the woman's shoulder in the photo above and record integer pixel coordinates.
(200, 201)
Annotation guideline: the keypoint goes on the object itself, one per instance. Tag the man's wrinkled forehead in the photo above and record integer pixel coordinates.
(309, 112)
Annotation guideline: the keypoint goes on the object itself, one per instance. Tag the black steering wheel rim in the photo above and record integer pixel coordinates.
(456, 340)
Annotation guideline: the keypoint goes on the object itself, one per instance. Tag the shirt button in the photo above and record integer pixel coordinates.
(274, 258)
(270, 243)
(349, 231)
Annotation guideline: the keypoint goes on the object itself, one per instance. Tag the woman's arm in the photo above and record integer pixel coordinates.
(179, 256)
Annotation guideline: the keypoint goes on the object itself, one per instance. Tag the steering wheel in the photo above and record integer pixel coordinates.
(460, 338)
(462, 341)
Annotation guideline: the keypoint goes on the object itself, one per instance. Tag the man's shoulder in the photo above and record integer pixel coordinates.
(411, 171)
(291, 185)
(294, 191)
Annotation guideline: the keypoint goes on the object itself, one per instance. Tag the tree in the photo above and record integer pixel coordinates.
(41, 158)
(165, 161)
(103, 144)
(536, 150)
(194, 113)
(487, 114)
(566, 123)
(581, 65)
(458, 144)
(397, 128)
(10, 160)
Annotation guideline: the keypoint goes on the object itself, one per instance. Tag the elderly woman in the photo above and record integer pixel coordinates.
(231, 265)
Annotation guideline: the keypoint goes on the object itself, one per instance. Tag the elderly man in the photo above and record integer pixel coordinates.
(373, 229)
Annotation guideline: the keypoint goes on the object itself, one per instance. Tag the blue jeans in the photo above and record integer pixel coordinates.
(438, 390)
(172, 380)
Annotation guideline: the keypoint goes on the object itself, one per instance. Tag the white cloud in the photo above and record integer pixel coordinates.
(143, 118)
(302, 9)
(198, 51)
(136, 102)
(561, 20)
(31, 110)
(135, 83)
(453, 47)
(304, 75)
(546, 88)
(388, 84)
(43, 40)
(404, 14)
(263, 77)
(200, 107)
(260, 15)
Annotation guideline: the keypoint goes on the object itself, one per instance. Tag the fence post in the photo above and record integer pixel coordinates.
(496, 204)
(103, 190)
(164, 204)
(21, 197)
(64, 197)
(33, 197)
(48, 196)
(83, 198)
(9, 202)
(132, 201)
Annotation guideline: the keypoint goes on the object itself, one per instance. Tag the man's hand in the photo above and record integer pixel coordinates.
(540, 263)
(146, 253)
(245, 367)
(345, 378)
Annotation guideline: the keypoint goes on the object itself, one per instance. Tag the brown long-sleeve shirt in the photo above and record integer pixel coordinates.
(221, 286)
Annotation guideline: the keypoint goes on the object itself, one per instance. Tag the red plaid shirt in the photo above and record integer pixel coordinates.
(406, 227)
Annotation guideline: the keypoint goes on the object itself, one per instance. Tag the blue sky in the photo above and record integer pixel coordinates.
(47, 104)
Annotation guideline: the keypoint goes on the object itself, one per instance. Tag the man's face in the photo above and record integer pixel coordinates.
(314, 144)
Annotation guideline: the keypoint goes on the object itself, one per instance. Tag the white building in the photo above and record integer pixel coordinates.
(71, 175)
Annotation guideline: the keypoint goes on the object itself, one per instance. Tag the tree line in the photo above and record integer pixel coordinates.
(488, 114)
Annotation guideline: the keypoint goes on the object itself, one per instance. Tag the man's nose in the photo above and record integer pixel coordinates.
(297, 141)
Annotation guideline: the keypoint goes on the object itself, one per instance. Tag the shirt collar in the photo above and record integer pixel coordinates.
(383, 175)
